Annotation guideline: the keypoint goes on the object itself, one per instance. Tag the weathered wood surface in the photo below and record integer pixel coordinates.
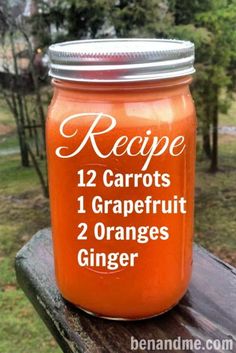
(208, 310)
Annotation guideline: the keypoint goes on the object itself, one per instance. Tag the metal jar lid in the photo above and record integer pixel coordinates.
(121, 60)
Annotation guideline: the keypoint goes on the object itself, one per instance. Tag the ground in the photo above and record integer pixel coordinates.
(23, 210)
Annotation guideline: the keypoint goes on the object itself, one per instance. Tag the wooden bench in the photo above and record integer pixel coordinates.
(208, 310)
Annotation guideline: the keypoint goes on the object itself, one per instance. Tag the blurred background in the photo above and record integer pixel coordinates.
(27, 28)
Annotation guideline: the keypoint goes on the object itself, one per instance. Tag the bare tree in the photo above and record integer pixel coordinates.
(22, 92)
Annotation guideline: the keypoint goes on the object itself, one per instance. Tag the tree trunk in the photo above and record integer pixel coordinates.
(20, 130)
(207, 142)
(43, 181)
(214, 156)
(26, 112)
(38, 97)
(23, 149)
(206, 138)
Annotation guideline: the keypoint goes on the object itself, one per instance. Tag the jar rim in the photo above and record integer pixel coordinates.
(121, 60)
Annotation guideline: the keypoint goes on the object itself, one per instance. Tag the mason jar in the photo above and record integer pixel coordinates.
(121, 153)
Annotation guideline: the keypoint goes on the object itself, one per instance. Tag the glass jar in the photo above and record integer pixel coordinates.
(121, 155)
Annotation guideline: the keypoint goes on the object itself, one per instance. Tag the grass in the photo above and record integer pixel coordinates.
(8, 138)
(23, 210)
(215, 206)
(8, 142)
(229, 119)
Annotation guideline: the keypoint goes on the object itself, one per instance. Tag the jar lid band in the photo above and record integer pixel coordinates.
(121, 60)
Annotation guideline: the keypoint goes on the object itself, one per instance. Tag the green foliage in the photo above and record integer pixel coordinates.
(211, 25)
(71, 20)
(222, 24)
(82, 19)
(146, 18)
(78, 19)
(186, 10)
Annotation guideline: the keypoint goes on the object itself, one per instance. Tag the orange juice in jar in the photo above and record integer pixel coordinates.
(121, 155)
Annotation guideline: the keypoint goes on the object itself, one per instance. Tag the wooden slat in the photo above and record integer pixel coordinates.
(208, 310)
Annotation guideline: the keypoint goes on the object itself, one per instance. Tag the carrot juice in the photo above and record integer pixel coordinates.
(121, 154)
